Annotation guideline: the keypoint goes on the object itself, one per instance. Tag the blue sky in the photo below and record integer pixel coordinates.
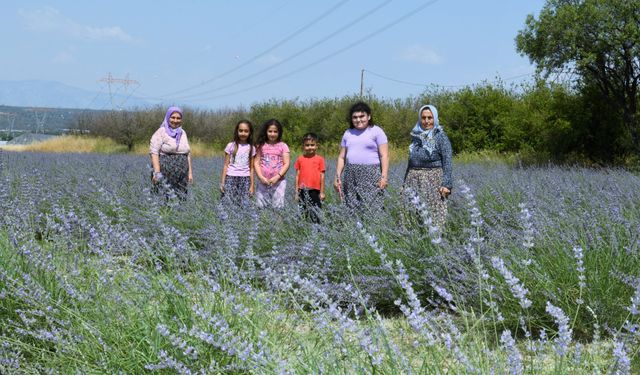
(216, 54)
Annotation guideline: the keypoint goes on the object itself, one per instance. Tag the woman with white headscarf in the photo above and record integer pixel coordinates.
(429, 167)
(171, 154)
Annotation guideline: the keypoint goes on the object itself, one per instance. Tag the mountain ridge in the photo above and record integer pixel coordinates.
(54, 94)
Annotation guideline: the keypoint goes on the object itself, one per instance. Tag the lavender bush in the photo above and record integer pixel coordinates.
(537, 271)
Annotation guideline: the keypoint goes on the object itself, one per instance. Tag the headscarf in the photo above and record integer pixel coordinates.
(425, 138)
(173, 133)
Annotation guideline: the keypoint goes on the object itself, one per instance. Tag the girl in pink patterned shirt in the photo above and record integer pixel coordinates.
(271, 164)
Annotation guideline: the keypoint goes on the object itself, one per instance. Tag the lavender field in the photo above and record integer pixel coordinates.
(537, 271)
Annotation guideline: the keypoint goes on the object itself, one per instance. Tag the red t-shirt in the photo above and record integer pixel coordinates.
(310, 169)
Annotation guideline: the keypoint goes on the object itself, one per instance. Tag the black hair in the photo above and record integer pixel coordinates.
(262, 135)
(310, 137)
(236, 138)
(359, 107)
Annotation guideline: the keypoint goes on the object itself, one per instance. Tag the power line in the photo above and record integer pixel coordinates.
(316, 62)
(311, 46)
(427, 84)
(261, 54)
(123, 82)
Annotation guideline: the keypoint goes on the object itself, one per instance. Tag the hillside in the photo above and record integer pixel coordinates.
(38, 93)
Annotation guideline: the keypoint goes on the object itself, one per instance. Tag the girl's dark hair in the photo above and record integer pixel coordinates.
(236, 138)
(262, 135)
(359, 107)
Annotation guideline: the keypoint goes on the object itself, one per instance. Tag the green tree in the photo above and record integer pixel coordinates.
(599, 41)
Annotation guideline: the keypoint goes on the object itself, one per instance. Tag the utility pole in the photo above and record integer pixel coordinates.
(12, 119)
(40, 120)
(125, 82)
(361, 82)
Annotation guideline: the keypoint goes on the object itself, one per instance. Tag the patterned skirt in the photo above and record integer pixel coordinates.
(175, 170)
(426, 182)
(360, 186)
(236, 190)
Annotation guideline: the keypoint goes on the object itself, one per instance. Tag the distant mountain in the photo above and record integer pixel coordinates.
(51, 94)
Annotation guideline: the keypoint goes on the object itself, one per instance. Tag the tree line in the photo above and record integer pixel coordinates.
(541, 122)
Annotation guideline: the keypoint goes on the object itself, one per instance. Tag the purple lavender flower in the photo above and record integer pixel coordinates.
(563, 339)
(517, 289)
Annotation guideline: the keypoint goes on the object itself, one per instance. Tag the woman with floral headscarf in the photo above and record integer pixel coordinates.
(171, 155)
(429, 168)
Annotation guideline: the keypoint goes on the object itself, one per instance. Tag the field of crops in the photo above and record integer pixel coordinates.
(537, 271)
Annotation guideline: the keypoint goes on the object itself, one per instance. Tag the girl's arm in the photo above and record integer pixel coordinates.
(337, 182)
(286, 160)
(383, 150)
(251, 171)
(227, 160)
(256, 166)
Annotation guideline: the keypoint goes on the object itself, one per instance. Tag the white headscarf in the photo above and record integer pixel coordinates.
(426, 138)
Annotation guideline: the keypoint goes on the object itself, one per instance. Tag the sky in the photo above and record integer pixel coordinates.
(229, 54)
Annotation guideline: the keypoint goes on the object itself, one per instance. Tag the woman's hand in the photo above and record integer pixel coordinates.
(251, 190)
(222, 187)
(190, 178)
(337, 185)
(444, 192)
(383, 182)
(156, 177)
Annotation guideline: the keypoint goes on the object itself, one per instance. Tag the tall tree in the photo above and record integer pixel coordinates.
(599, 41)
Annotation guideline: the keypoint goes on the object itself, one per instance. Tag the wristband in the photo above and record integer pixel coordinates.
(157, 175)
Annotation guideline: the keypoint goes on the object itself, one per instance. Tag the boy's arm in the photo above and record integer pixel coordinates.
(322, 186)
(296, 192)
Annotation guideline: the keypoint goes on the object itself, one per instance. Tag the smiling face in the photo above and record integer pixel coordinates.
(426, 119)
(360, 120)
(243, 132)
(272, 134)
(175, 120)
(309, 147)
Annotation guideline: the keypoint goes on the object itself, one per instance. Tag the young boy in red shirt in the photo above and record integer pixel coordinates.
(310, 178)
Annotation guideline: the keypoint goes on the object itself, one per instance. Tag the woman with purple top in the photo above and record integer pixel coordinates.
(429, 167)
(171, 155)
(364, 158)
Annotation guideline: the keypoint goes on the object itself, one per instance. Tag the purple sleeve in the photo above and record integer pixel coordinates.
(380, 137)
(229, 148)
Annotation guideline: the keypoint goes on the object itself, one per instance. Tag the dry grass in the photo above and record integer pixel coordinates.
(87, 144)
(71, 143)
